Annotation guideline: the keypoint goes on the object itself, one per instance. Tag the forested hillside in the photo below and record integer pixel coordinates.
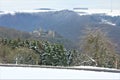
(13, 33)
(10, 33)
(96, 50)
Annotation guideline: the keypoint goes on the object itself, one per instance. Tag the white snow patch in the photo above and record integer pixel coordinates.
(93, 67)
(7, 12)
(103, 21)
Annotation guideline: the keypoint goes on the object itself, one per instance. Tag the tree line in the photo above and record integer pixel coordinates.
(95, 50)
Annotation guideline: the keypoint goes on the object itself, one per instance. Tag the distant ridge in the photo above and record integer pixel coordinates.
(80, 8)
(44, 9)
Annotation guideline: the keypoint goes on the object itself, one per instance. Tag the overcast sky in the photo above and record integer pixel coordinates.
(57, 4)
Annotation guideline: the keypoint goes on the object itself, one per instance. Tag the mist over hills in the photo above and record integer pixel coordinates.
(68, 24)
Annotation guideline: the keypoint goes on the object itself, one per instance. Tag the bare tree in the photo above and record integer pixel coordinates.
(99, 48)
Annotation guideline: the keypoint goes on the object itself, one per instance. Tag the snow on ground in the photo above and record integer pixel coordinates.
(51, 73)
(103, 21)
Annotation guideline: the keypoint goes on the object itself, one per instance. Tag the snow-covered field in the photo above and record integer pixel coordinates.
(12, 72)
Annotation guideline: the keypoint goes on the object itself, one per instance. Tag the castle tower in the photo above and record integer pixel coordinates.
(51, 33)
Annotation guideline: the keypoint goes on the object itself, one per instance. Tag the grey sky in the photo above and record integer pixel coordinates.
(57, 4)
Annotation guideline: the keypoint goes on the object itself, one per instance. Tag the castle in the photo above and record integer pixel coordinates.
(42, 33)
